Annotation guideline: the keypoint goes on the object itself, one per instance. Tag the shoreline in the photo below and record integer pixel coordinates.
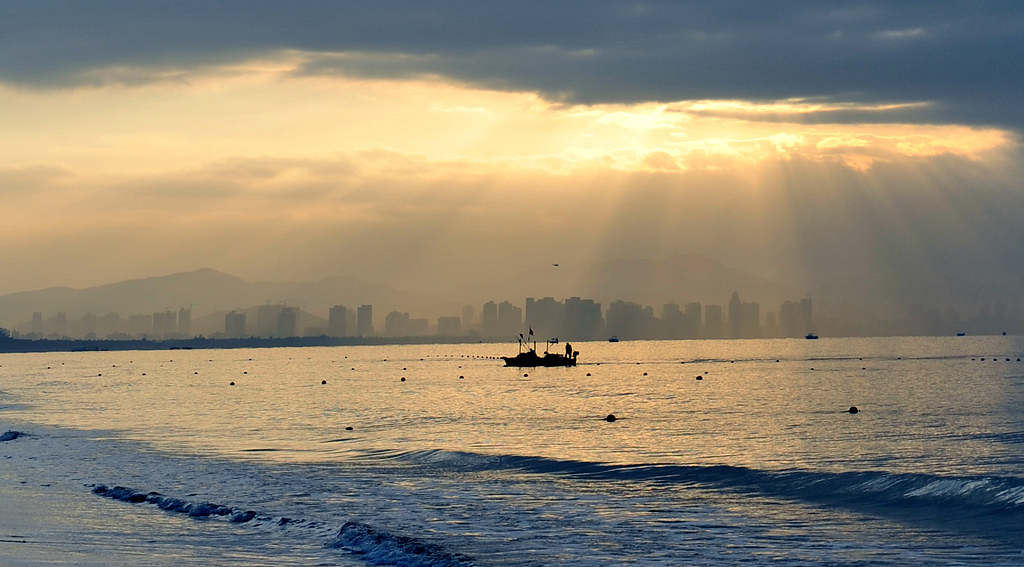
(11, 345)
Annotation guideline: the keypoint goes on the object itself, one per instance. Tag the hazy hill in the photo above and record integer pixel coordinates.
(207, 291)
(210, 293)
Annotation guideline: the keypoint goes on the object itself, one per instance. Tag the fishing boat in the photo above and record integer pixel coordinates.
(613, 339)
(811, 336)
(529, 358)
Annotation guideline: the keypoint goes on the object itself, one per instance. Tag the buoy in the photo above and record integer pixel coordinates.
(699, 377)
(100, 374)
(611, 417)
(195, 373)
(323, 381)
(853, 409)
(349, 428)
(645, 374)
(143, 373)
(588, 374)
(525, 375)
(403, 378)
(462, 377)
(232, 384)
(245, 372)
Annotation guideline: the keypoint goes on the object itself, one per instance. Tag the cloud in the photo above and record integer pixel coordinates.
(952, 62)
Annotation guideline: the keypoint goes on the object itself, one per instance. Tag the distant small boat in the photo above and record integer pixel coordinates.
(613, 339)
(811, 336)
(961, 334)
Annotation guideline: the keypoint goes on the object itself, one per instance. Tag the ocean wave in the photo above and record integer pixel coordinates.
(382, 548)
(373, 545)
(875, 489)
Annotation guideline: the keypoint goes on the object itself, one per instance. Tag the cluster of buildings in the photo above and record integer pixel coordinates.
(167, 324)
(576, 318)
(573, 318)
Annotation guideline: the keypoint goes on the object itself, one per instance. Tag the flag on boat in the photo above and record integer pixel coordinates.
(531, 331)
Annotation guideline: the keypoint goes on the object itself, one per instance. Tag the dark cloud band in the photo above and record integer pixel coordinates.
(966, 59)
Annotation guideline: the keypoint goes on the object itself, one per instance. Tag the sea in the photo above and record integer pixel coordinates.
(724, 452)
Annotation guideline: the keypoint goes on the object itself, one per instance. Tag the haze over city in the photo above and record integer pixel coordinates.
(864, 154)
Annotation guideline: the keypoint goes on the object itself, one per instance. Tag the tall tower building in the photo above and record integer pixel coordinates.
(185, 321)
(234, 325)
(735, 315)
(489, 319)
(364, 321)
(337, 321)
(287, 321)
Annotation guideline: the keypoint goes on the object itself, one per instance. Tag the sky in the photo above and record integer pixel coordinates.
(858, 151)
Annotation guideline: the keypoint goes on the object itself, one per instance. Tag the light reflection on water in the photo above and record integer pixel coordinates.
(765, 404)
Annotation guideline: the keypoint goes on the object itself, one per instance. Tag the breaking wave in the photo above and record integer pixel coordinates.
(374, 545)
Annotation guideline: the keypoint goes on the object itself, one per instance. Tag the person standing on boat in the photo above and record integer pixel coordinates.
(568, 350)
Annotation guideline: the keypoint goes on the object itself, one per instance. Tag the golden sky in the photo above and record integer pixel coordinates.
(290, 163)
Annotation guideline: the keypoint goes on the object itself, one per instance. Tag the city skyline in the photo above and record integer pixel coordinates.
(573, 318)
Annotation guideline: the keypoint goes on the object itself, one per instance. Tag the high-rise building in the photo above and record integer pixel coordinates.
(673, 321)
(791, 320)
(364, 321)
(692, 321)
(735, 315)
(806, 315)
(337, 321)
(417, 327)
(165, 323)
(234, 325)
(185, 321)
(37, 322)
(489, 320)
(468, 318)
(713, 321)
(287, 322)
(510, 319)
(545, 316)
(624, 320)
(750, 320)
(583, 320)
(61, 324)
(396, 324)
